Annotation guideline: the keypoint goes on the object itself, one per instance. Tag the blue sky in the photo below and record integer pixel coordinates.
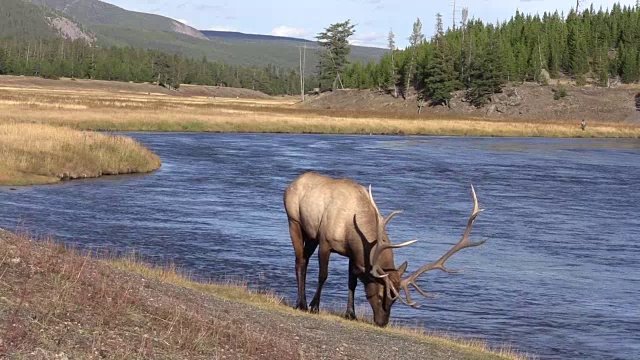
(305, 19)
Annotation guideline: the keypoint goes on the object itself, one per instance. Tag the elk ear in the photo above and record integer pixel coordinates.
(366, 237)
(402, 269)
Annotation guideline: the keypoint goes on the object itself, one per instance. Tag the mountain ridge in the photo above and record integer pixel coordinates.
(251, 36)
(96, 12)
(109, 25)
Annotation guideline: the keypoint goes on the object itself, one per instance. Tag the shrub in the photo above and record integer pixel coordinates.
(560, 93)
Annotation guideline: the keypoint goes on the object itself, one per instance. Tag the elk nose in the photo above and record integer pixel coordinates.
(381, 322)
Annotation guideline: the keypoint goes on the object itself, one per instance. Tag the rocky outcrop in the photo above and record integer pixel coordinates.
(70, 30)
(544, 77)
(509, 101)
(181, 28)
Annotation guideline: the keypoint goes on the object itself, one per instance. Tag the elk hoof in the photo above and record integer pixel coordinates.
(302, 307)
(350, 315)
(314, 309)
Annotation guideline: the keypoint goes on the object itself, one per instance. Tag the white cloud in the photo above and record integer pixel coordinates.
(368, 39)
(223, 28)
(287, 31)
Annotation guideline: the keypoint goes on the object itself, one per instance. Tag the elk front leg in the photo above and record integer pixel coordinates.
(303, 251)
(323, 272)
(353, 283)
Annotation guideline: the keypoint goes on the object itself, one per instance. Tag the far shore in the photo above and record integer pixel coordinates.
(120, 107)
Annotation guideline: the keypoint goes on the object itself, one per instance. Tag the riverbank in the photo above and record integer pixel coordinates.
(59, 303)
(33, 154)
(116, 110)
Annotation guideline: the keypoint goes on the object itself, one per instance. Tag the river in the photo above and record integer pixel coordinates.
(559, 276)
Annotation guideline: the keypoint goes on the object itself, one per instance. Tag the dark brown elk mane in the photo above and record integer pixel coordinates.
(341, 216)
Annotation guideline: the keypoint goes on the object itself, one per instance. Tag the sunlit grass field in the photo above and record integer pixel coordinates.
(127, 111)
(42, 154)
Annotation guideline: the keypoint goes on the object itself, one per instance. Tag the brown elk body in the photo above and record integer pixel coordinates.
(340, 216)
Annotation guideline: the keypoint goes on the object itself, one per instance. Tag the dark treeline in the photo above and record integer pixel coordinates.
(595, 45)
(55, 58)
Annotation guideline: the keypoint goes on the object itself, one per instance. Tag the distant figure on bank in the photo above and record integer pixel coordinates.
(583, 125)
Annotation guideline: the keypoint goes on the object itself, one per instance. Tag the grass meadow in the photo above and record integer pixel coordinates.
(128, 111)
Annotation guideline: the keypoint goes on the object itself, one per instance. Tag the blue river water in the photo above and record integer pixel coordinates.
(558, 278)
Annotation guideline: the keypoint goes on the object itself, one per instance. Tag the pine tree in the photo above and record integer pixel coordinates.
(465, 45)
(629, 71)
(487, 75)
(335, 44)
(601, 66)
(440, 78)
(393, 76)
(415, 40)
(577, 45)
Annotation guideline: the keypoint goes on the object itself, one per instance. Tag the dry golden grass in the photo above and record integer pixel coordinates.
(104, 110)
(58, 303)
(239, 292)
(39, 153)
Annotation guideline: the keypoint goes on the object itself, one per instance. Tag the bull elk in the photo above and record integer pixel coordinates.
(339, 215)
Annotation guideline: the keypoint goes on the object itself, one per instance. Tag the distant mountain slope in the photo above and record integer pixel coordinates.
(95, 12)
(238, 36)
(26, 20)
(110, 25)
(287, 46)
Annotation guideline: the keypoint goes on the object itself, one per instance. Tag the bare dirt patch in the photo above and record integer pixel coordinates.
(529, 101)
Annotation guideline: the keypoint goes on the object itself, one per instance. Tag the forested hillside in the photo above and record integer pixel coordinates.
(77, 59)
(24, 20)
(18, 18)
(600, 46)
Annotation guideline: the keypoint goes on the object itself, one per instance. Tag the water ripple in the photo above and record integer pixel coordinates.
(559, 277)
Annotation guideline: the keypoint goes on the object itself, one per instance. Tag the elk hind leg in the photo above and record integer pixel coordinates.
(303, 251)
(323, 272)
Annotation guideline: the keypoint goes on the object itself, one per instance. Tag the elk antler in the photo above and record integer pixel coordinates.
(373, 202)
(376, 270)
(378, 248)
(439, 264)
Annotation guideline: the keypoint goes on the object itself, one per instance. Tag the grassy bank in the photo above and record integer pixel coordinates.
(104, 110)
(58, 303)
(41, 154)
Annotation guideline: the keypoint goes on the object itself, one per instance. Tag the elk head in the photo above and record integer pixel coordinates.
(384, 283)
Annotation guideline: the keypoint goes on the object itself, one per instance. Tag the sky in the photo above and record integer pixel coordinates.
(374, 18)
